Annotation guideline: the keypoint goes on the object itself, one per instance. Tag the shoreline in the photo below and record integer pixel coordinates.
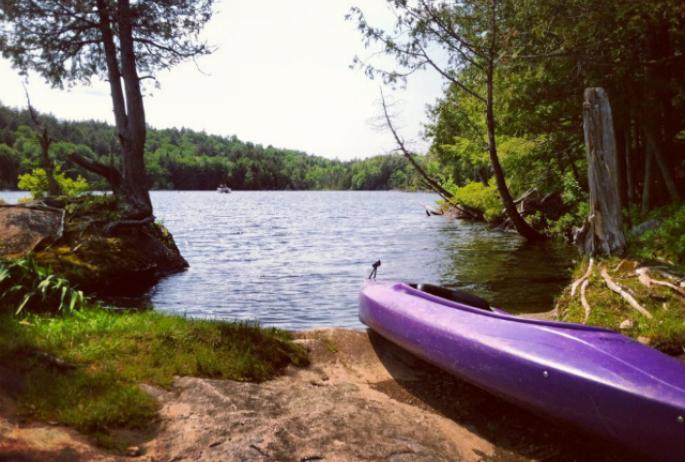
(362, 398)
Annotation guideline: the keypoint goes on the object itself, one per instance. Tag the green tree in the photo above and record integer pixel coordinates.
(9, 167)
(120, 41)
(470, 35)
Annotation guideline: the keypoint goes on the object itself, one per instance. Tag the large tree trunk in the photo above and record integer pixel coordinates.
(129, 116)
(602, 233)
(133, 165)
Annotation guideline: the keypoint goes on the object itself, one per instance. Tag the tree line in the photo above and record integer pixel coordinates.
(191, 160)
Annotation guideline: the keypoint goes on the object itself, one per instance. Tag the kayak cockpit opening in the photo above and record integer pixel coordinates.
(453, 295)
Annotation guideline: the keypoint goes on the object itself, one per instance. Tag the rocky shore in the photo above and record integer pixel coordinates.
(85, 240)
(362, 399)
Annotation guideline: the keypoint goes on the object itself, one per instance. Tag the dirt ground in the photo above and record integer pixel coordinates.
(362, 399)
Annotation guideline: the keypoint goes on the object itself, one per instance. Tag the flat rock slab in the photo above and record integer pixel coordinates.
(24, 227)
(329, 412)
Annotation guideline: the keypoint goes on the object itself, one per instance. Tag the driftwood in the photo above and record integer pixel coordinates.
(431, 211)
(646, 280)
(623, 293)
(602, 233)
(463, 212)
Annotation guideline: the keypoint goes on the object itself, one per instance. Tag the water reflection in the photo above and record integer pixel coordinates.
(505, 269)
(296, 259)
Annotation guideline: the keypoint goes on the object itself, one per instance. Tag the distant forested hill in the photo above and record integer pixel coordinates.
(187, 159)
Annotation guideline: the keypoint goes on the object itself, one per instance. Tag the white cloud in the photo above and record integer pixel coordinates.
(280, 76)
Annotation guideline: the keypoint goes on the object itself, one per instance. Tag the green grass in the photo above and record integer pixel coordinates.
(114, 352)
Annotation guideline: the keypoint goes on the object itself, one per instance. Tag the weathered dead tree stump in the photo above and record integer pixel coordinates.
(602, 232)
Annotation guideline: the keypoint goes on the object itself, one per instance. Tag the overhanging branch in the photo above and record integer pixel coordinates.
(111, 174)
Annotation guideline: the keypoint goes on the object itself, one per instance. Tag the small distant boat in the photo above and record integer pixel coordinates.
(591, 377)
(223, 189)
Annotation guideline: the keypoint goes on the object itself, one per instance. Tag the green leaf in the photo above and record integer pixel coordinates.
(45, 284)
(4, 273)
(61, 298)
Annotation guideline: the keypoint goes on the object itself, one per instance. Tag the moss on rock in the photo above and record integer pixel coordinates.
(127, 261)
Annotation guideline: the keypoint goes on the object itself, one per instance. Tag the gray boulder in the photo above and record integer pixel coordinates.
(24, 227)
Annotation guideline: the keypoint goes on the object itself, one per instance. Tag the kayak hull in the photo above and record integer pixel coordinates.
(590, 377)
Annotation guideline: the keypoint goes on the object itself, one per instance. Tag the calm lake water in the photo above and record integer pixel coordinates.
(297, 259)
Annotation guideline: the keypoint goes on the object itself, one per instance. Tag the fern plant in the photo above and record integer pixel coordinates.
(27, 286)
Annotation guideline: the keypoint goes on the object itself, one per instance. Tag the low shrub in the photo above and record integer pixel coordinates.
(667, 240)
(485, 198)
(27, 286)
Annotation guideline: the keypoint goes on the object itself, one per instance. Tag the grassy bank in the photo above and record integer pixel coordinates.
(664, 331)
(83, 369)
(658, 251)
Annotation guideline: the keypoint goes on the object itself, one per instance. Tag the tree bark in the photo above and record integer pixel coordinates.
(602, 233)
(523, 228)
(133, 165)
(129, 114)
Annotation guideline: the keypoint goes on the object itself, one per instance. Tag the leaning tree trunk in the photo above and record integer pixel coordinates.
(522, 227)
(602, 232)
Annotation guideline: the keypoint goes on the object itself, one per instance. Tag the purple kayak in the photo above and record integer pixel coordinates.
(590, 377)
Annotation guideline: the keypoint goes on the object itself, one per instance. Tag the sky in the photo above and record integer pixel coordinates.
(280, 76)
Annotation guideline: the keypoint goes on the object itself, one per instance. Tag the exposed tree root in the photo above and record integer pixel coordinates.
(646, 280)
(109, 229)
(583, 301)
(623, 293)
(580, 280)
(54, 361)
